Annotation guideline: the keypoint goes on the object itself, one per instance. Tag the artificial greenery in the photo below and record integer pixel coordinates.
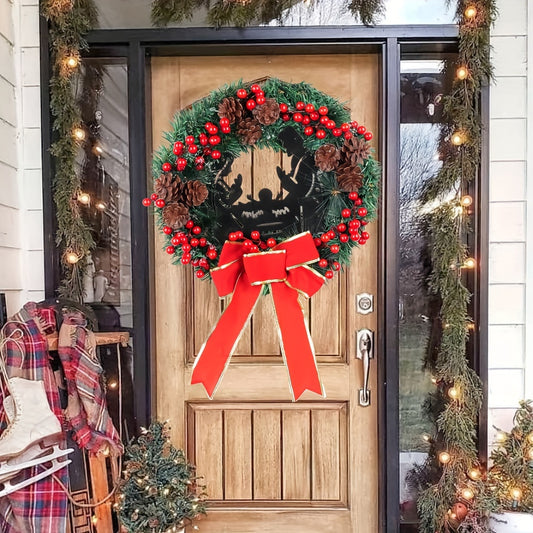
(247, 12)
(160, 490)
(455, 404)
(330, 199)
(69, 21)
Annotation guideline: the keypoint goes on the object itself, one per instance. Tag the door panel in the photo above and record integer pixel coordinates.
(269, 464)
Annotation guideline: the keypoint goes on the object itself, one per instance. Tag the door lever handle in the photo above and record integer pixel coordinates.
(365, 352)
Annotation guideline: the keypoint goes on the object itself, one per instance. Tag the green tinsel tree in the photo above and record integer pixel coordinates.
(159, 492)
(509, 483)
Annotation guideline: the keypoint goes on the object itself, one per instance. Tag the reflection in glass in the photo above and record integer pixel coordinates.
(136, 13)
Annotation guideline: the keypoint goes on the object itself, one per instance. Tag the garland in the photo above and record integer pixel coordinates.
(69, 21)
(449, 498)
(248, 12)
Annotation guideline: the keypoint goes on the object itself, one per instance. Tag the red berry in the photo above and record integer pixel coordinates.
(250, 104)
(361, 130)
(318, 242)
(254, 248)
(337, 132)
(364, 222)
(242, 93)
(263, 245)
(329, 274)
(147, 202)
(199, 160)
(240, 234)
(354, 236)
(224, 121)
(300, 106)
(260, 100)
(186, 247)
(167, 167)
(255, 235)
(203, 139)
(362, 212)
(247, 243)
(306, 120)
(341, 227)
(285, 117)
(343, 237)
(259, 93)
(368, 136)
(324, 120)
(358, 201)
(189, 139)
(336, 265)
(181, 163)
(334, 248)
(330, 124)
(353, 195)
(214, 140)
(320, 134)
(348, 135)
(355, 224)
(297, 117)
(154, 196)
(167, 230)
(346, 213)
(362, 241)
(170, 250)
(283, 108)
(212, 254)
(200, 274)
(324, 237)
(331, 234)
(215, 154)
(178, 148)
(186, 259)
(314, 115)
(160, 203)
(192, 148)
(309, 130)
(194, 242)
(226, 129)
(345, 127)
(323, 263)
(197, 230)
(175, 240)
(208, 125)
(365, 235)
(212, 129)
(271, 242)
(189, 224)
(255, 88)
(323, 110)
(354, 124)
(309, 108)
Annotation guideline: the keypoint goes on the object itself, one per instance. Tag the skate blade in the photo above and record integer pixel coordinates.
(9, 487)
(31, 457)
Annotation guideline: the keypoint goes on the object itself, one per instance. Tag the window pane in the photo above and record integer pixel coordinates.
(422, 87)
(136, 13)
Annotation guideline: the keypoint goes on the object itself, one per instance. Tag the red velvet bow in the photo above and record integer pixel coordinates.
(285, 269)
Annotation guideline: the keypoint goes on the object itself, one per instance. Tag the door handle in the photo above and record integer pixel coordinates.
(365, 352)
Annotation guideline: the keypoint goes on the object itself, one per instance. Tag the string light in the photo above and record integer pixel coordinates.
(453, 393)
(458, 138)
(94, 519)
(72, 258)
(467, 201)
(530, 454)
(98, 149)
(471, 326)
(501, 437)
(474, 474)
(469, 263)
(444, 457)
(516, 494)
(78, 133)
(84, 198)
(426, 437)
(113, 384)
(530, 437)
(470, 12)
(72, 62)
(106, 451)
(434, 380)
(467, 494)
(100, 206)
(462, 73)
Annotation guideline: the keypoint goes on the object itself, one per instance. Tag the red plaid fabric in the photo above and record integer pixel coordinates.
(87, 413)
(42, 506)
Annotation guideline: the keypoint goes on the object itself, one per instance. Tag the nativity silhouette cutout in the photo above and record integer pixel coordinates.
(294, 207)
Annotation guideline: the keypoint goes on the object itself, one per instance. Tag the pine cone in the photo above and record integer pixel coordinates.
(268, 112)
(327, 157)
(175, 215)
(194, 193)
(349, 177)
(232, 109)
(355, 150)
(249, 130)
(167, 188)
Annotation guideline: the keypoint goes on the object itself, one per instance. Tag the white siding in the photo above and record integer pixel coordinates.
(510, 225)
(21, 240)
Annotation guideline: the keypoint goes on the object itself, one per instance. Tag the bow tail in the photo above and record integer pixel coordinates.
(296, 341)
(215, 354)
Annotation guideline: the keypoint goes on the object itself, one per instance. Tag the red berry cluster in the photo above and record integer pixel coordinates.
(254, 243)
(330, 241)
(254, 98)
(190, 240)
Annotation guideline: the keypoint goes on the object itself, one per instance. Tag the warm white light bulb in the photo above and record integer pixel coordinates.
(72, 61)
(84, 198)
(516, 493)
(72, 258)
(462, 73)
(466, 201)
(470, 12)
(78, 134)
(467, 494)
(453, 393)
(469, 263)
(445, 457)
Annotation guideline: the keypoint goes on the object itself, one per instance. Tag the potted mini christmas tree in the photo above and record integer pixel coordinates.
(509, 482)
(159, 492)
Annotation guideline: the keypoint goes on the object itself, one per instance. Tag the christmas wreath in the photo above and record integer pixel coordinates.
(299, 235)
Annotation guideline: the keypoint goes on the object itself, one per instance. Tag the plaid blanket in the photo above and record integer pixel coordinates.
(42, 506)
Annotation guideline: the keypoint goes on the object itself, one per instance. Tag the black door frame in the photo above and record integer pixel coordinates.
(390, 42)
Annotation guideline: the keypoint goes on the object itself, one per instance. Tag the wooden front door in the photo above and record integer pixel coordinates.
(271, 465)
